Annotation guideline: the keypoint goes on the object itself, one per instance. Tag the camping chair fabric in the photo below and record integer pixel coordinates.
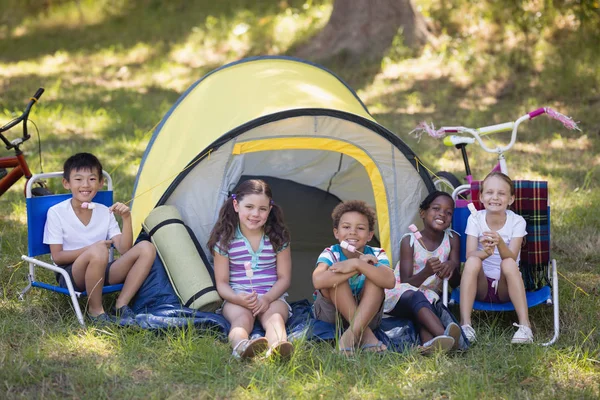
(531, 202)
(37, 210)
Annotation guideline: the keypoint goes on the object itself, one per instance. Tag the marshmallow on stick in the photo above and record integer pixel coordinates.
(349, 247)
(249, 272)
(418, 236)
(89, 206)
(473, 211)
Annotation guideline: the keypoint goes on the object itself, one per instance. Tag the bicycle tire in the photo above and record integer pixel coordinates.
(446, 181)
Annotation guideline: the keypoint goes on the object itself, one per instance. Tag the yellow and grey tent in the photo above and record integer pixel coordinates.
(296, 125)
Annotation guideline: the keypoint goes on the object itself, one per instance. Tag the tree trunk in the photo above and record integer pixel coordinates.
(364, 30)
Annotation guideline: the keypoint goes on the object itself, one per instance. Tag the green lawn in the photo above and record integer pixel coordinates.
(111, 76)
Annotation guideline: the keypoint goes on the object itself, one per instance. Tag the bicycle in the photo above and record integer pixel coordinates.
(446, 180)
(18, 162)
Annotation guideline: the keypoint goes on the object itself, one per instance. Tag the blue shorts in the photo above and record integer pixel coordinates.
(69, 268)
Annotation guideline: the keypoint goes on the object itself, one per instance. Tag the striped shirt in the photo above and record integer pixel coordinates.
(264, 263)
(334, 254)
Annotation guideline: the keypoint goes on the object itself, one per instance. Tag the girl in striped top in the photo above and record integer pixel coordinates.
(253, 269)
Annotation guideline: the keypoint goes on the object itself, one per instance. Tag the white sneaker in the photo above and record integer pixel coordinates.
(523, 335)
(469, 333)
(441, 343)
(453, 330)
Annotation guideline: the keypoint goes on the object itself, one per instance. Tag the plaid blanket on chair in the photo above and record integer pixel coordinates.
(531, 202)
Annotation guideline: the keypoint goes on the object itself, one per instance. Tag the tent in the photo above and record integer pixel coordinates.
(296, 125)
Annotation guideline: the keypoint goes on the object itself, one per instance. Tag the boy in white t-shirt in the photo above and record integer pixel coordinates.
(80, 234)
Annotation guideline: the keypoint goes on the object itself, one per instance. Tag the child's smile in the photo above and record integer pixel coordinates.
(253, 211)
(83, 184)
(354, 229)
(496, 194)
(439, 214)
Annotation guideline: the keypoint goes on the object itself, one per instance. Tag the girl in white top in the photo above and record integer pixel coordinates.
(491, 272)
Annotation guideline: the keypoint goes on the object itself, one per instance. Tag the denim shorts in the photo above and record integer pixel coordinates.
(69, 268)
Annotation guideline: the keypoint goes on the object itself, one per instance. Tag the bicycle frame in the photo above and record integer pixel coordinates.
(17, 163)
(460, 142)
(19, 169)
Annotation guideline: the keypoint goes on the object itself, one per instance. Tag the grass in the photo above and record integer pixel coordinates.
(109, 81)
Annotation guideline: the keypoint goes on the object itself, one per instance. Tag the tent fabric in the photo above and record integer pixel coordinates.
(204, 141)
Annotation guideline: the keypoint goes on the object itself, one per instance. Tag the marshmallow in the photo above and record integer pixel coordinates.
(248, 268)
(418, 236)
(347, 246)
(472, 208)
(89, 206)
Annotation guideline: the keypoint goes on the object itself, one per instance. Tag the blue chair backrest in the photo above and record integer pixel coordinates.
(37, 211)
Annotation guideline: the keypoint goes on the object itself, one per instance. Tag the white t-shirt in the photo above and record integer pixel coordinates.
(514, 227)
(63, 226)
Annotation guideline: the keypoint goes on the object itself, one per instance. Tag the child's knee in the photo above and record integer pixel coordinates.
(146, 248)
(509, 267)
(97, 254)
(373, 288)
(472, 266)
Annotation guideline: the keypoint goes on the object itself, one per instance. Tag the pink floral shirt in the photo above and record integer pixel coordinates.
(432, 286)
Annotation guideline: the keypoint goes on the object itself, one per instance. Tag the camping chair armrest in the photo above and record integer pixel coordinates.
(53, 268)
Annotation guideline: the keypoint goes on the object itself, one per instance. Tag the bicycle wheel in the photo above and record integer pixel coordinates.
(446, 181)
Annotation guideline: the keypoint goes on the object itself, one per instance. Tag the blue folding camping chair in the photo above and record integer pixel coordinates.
(531, 202)
(37, 210)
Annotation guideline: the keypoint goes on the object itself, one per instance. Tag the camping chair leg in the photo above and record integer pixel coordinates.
(32, 261)
(30, 278)
(445, 292)
(555, 305)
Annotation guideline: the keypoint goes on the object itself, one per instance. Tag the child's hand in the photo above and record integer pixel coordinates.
(262, 305)
(370, 258)
(104, 243)
(343, 267)
(492, 238)
(120, 209)
(433, 264)
(248, 300)
(445, 270)
(488, 246)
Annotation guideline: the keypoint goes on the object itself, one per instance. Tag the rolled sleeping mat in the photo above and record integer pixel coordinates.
(192, 278)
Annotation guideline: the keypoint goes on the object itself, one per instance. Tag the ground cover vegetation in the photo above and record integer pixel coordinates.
(112, 69)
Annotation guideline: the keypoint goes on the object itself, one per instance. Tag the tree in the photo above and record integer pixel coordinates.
(365, 29)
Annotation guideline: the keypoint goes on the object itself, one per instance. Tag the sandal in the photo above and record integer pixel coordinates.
(282, 348)
(378, 347)
(249, 348)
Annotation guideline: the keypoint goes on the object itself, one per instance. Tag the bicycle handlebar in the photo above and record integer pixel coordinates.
(22, 118)
(486, 130)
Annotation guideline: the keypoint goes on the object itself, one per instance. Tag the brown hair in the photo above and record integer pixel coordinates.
(358, 206)
(224, 230)
(502, 176)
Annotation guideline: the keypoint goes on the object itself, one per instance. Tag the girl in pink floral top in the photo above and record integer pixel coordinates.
(421, 271)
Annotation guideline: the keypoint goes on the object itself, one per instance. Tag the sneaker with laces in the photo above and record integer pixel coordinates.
(469, 333)
(523, 335)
